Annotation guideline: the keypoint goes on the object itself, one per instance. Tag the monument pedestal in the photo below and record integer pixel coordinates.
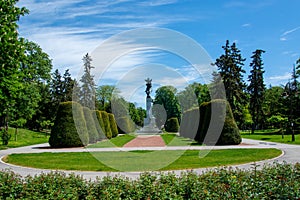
(149, 122)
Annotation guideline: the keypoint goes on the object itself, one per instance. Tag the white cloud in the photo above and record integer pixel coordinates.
(158, 2)
(279, 79)
(283, 37)
(51, 24)
(246, 25)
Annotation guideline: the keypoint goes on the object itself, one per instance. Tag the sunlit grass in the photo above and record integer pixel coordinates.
(140, 161)
(24, 138)
(274, 138)
(119, 141)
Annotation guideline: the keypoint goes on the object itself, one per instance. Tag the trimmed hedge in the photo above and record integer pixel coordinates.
(90, 124)
(125, 125)
(230, 134)
(65, 133)
(101, 124)
(280, 181)
(106, 124)
(172, 125)
(97, 118)
(196, 124)
(190, 123)
(113, 125)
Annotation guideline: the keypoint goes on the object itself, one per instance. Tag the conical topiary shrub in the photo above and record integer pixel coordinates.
(106, 124)
(67, 132)
(113, 125)
(90, 125)
(208, 131)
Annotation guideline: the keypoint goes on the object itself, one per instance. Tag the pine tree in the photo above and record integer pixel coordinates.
(256, 88)
(230, 66)
(68, 85)
(87, 92)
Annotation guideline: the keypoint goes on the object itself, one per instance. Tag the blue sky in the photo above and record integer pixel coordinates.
(68, 29)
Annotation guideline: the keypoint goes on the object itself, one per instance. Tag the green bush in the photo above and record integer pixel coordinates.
(5, 136)
(90, 124)
(125, 125)
(172, 125)
(106, 124)
(65, 133)
(190, 123)
(279, 181)
(100, 125)
(113, 125)
(208, 133)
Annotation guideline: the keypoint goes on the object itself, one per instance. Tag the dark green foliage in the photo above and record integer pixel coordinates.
(87, 92)
(97, 120)
(125, 125)
(113, 125)
(172, 125)
(190, 123)
(230, 66)
(166, 96)
(99, 124)
(106, 125)
(279, 181)
(90, 125)
(5, 136)
(256, 89)
(65, 133)
(104, 94)
(208, 131)
(193, 95)
(12, 53)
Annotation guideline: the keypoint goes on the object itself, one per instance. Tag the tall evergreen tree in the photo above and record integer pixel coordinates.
(87, 93)
(256, 88)
(230, 66)
(68, 85)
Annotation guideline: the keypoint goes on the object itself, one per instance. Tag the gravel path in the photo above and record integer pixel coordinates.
(291, 154)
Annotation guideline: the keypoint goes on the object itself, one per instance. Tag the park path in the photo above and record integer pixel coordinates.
(146, 141)
(291, 154)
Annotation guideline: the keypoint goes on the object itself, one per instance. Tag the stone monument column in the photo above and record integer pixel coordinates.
(149, 121)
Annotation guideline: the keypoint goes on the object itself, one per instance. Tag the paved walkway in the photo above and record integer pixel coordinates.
(291, 154)
(146, 141)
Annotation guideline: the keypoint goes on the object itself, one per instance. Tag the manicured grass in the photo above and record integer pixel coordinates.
(274, 138)
(262, 132)
(174, 140)
(119, 141)
(25, 138)
(140, 161)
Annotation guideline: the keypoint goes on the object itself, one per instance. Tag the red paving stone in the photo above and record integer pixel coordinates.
(146, 141)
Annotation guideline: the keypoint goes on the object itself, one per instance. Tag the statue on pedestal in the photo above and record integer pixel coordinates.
(149, 86)
(149, 121)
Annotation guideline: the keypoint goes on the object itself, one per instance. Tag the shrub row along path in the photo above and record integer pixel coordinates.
(290, 155)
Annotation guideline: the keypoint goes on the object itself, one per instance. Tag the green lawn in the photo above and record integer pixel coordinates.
(274, 138)
(119, 141)
(140, 160)
(25, 138)
(174, 140)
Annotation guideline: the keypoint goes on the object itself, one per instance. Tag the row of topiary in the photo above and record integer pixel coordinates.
(77, 126)
(211, 123)
(280, 181)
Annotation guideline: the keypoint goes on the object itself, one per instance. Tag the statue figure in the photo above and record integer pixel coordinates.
(149, 86)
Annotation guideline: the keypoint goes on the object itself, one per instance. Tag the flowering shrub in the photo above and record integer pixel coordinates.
(279, 181)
